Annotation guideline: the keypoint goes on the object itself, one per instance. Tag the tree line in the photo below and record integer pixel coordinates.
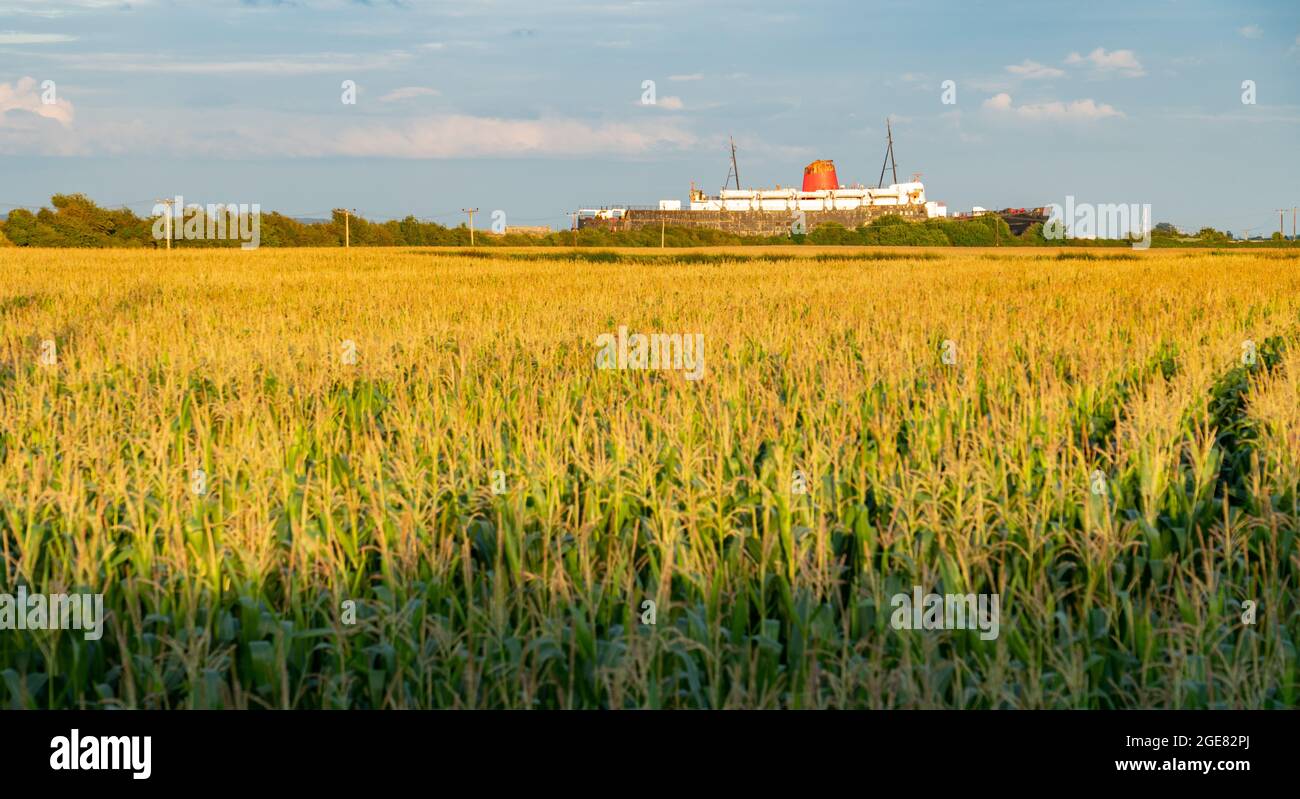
(74, 220)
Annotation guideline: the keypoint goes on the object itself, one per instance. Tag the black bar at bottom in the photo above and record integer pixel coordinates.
(302, 749)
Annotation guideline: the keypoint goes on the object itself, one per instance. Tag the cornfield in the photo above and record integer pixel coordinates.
(397, 478)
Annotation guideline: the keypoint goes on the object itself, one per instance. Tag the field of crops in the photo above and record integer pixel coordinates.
(400, 478)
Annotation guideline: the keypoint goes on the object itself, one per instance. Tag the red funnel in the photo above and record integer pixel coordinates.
(820, 175)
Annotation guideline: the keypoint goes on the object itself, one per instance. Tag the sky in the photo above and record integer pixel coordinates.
(537, 109)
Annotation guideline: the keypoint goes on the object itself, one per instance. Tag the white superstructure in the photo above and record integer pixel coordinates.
(842, 199)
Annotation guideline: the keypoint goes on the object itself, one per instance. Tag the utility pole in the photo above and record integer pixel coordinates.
(1293, 209)
(1281, 214)
(347, 229)
(471, 212)
(574, 214)
(661, 233)
(168, 202)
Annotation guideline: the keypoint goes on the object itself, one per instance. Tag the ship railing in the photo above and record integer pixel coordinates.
(620, 207)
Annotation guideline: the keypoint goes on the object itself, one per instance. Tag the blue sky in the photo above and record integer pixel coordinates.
(535, 108)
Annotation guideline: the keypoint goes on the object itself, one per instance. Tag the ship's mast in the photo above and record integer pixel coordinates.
(889, 157)
(735, 170)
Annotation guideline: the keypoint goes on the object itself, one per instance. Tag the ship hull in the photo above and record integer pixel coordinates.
(752, 223)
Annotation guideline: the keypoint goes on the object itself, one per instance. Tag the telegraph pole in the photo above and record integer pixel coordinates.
(574, 214)
(662, 223)
(1293, 209)
(168, 202)
(471, 212)
(347, 229)
(1281, 215)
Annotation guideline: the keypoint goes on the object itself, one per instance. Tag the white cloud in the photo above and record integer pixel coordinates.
(998, 102)
(457, 136)
(83, 4)
(1075, 110)
(60, 8)
(1032, 70)
(692, 76)
(25, 95)
(1121, 62)
(1250, 31)
(218, 134)
(671, 103)
(407, 92)
(283, 65)
(29, 126)
(17, 37)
